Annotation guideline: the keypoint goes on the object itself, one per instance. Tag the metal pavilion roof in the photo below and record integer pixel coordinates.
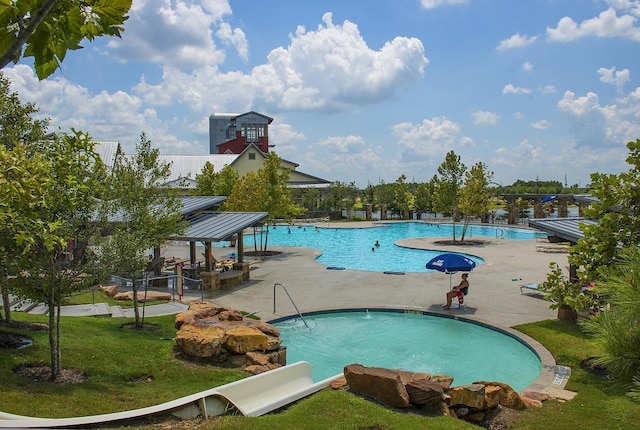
(191, 204)
(217, 226)
(565, 228)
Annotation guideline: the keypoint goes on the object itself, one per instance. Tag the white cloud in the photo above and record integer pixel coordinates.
(482, 117)
(431, 4)
(607, 24)
(511, 89)
(466, 141)
(106, 116)
(175, 32)
(547, 89)
(235, 37)
(617, 78)
(527, 67)
(430, 139)
(343, 158)
(602, 126)
(516, 41)
(541, 125)
(330, 69)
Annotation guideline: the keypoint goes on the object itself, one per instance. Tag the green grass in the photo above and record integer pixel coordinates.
(598, 404)
(99, 296)
(129, 369)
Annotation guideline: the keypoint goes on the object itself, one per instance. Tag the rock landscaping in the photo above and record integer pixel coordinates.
(434, 394)
(223, 336)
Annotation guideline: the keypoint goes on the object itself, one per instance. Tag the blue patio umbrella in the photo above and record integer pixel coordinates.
(548, 198)
(451, 263)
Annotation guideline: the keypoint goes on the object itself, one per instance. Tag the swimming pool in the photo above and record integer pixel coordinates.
(352, 247)
(408, 340)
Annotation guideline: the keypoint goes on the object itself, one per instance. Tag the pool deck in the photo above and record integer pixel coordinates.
(494, 297)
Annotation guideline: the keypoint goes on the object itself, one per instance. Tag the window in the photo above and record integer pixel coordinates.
(252, 156)
(252, 132)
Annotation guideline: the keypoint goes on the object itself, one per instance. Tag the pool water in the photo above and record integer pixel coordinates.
(410, 341)
(354, 248)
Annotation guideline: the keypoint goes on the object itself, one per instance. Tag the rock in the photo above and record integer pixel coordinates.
(203, 309)
(110, 290)
(339, 383)
(423, 391)
(230, 315)
(468, 395)
(476, 417)
(273, 343)
(407, 376)
(198, 341)
(150, 295)
(535, 395)
(509, 398)
(244, 339)
(383, 385)
(531, 403)
(257, 358)
(187, 316)
(266, 328)
(491, 397)
(444, 380)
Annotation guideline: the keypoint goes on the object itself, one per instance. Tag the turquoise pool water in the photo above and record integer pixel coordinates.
(411, 341)
(352, 247)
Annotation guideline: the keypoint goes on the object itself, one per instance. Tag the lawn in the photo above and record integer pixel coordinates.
(129, 369)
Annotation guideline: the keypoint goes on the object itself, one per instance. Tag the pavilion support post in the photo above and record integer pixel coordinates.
(208, 263)
(192, 252)
(240, 248)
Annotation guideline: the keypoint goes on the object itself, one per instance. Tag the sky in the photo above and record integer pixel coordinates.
(365, 91)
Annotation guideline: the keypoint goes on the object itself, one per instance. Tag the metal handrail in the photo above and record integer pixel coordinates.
(292, 302)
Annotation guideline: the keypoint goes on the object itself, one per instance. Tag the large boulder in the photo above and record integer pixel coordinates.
(423, 391)
(384, 385)
(509, 397)
(200, 341)
(468, 395)
(244, 339)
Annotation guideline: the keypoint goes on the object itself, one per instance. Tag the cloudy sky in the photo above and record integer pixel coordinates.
(368, 90)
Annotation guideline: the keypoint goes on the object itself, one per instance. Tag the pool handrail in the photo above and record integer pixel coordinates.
(292, 302)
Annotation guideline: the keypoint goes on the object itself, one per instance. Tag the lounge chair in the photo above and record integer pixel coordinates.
(530, 287)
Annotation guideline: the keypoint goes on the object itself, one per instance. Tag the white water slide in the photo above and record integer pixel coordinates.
(252, 396)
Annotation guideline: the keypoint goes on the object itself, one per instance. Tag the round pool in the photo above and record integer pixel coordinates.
(409, 340)
(355, 248)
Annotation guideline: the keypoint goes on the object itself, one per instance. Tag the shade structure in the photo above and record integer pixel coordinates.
(548, 199)
(451, 263)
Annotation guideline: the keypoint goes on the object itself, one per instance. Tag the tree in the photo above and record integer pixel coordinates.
(423, 198)
(212, 183)
(23, 176)
(143, 215)
(47, 29)
(56, 261)
(447, 186)
(475, 196)
(618, 213)
(23, 180)
(404, 200)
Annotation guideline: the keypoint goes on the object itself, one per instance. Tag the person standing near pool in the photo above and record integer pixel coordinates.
(458, 291)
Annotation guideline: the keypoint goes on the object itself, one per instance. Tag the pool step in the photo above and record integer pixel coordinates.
(556, 388)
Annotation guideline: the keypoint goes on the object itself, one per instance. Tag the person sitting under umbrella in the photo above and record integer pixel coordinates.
(458, 291)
